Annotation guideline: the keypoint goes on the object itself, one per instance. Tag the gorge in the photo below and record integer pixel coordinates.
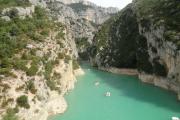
(42, 42)
(143, 36)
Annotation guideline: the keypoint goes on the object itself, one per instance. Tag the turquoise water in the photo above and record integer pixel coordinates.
(130, 99)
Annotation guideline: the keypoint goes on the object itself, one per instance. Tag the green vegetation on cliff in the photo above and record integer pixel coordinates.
(13, 3)
(14, 37)
(78, 7)
(82, 44)
(22, 101)
(161, 13)
(10, 115)
(112, 40)
(129, 39)
(15, 34)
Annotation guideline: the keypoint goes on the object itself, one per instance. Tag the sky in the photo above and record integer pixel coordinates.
(112, 3)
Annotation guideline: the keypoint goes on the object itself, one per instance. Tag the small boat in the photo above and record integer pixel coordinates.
(108, 94)
(97, 83)
(175, 118)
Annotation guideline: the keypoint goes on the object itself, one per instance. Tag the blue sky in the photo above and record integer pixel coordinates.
(112, 3)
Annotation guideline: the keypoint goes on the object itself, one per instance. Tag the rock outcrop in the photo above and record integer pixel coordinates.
(22, 12)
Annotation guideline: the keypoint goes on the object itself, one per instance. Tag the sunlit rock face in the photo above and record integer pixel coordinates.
(89, 10)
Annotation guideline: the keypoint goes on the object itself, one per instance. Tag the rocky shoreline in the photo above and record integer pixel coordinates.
(58, 104)
(158, 81)
(124, 71)
(161, 82)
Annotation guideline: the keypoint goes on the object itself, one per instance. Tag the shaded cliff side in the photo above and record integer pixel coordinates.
(144, 35)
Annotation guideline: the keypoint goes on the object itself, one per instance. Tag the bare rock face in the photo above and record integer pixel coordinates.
(84, 9)
(69, 1)
(41, 3)
(81, 17)
(22, 12)
(92, 12)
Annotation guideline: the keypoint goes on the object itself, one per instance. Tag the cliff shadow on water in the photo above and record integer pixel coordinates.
(133, 88)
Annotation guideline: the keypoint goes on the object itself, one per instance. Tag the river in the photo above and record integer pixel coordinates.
(130, 99)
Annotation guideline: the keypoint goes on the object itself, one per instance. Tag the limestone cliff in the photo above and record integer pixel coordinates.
(37, 63)
(144, 35)
(90, 11)
(82, 19)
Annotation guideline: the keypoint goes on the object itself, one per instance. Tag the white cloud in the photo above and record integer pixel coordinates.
(112, 3)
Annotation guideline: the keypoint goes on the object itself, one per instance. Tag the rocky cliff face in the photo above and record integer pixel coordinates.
(37, 64)
(160, 28)
(90, 11)
(111, 44)
(39, 45)
(144, 35)
(82, 19)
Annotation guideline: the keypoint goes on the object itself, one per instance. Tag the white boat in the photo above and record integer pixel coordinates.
(108, 94)
(97, 83)
(175, 118)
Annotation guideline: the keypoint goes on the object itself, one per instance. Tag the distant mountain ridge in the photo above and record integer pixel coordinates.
(89, 10)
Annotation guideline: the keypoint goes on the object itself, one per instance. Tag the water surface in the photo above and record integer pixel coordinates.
(130, 99)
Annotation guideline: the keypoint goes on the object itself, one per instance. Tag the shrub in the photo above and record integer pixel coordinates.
(39, 12)
(20, 64)
(16, 109)
(48, 70)
(60, 35)
(7, 72)
(57, 75)
(51, 84)
(35, 36)
(22, 2)
(61, 55)
(67, 58)
(22, 101)
(10, 115)
(75, 64)
(77, 7)
(6, 63)
(7, 46)
(45, 32)
(31, 87)
(82, 42)
(4, 104)
(32, 70)
(13, 13)
(27, 56)
(12, 3)
(14, 31)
